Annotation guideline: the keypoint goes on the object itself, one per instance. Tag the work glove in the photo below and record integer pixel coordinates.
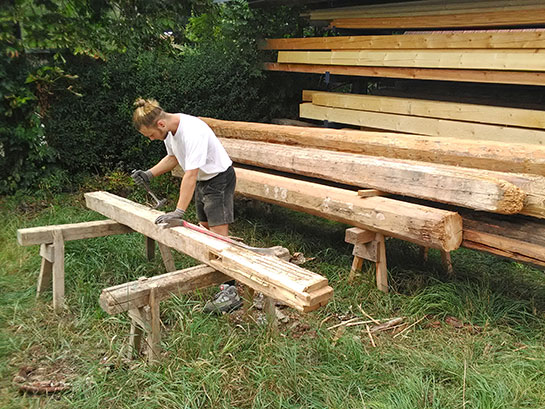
(171, 219)
(141, 177)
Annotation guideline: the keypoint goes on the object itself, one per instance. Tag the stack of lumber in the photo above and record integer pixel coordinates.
(496, 177)
(275, 278)
(427, 117)
(502, 56)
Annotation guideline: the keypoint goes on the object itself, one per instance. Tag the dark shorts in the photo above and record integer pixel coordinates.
(214, 198)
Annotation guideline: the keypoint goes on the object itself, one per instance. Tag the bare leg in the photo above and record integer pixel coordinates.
(222, 229)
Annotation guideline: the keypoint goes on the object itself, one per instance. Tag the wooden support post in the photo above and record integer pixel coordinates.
(248, 298)
(154, 335)
(357, 265)
(166, 254)
(447, 262)
(58, 270)
(269, 308)
(150, 248)
(381, 270)
(424, 253)
(370, 246)
(46, 269)
(135, 339)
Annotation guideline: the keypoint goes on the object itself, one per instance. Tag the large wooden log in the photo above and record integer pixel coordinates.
(520, 158)
(513, 59)
(281, 280)
(462, 187)
(423, 126)
(487, 76)
(135, 294)
(518, 238)
(486, 114)
(415, 223)
(72, 231)
(524, 39)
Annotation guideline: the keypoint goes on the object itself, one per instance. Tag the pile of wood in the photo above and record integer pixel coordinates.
(502, 56)
(409, 167)
(436, 14)
(484, 163)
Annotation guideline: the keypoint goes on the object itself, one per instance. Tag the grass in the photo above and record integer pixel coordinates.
(494, 357)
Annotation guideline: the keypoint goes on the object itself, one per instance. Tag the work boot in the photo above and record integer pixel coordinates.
(226, 300)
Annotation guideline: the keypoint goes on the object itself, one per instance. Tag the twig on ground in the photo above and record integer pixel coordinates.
(367, 315)
(370, 336)
(388, 325)
(410, 326)
(344, 323)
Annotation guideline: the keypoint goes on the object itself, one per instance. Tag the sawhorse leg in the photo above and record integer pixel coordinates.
(52, 269)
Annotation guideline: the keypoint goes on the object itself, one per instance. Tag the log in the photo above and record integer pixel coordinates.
(135, 294)
(526, 118)
(524, 39)
(501, 18)
(520, 158)
(423, 126)
(279, 279)
(486, 76)
(421, 225)
(447, 184)
(508, 60)
(72, 231)
(519, 238)
(415, 223)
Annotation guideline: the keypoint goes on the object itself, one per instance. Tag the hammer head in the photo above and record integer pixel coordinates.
(160, 203)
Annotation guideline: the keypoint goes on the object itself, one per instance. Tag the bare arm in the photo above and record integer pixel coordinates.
(165, 165)
(187, 188)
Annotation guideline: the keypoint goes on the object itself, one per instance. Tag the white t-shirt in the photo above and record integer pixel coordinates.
(196, 147)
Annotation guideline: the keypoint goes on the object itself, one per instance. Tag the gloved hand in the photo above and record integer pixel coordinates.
(171, 219)
(141, 177)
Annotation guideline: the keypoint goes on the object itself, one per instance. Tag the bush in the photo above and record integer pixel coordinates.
(93, 133)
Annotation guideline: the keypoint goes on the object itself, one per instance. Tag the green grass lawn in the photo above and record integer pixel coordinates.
(477, 342)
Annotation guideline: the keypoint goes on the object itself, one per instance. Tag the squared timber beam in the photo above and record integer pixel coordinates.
(281, 280)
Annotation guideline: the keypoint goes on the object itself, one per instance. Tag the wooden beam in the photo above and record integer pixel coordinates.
(73, 231)
(58, 270)
(486, 76)
(441, 183)
(135, 294)
(508, 60)
(370, 192)
(454, 40)
(418, 7)
(415, 223)
(486, 114)
(483, 19)
(520, 158)
(514, 255)
(423, 126)
(293, 285)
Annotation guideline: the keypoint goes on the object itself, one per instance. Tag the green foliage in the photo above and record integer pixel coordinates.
(66, 109)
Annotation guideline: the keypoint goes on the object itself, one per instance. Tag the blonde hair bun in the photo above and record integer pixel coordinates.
(140, 102)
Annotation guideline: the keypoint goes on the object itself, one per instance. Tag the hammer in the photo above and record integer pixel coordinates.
(158, 203)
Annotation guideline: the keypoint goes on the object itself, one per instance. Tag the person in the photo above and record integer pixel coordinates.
(209, 177)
